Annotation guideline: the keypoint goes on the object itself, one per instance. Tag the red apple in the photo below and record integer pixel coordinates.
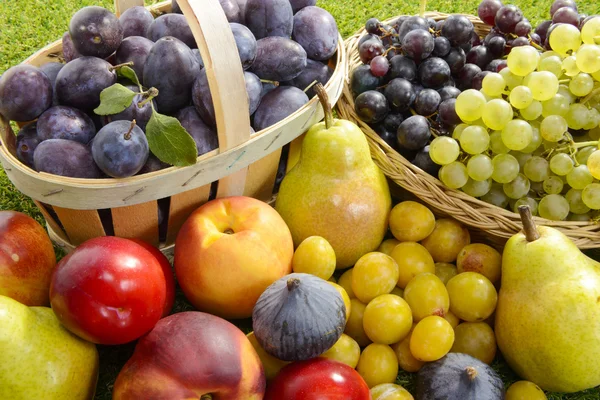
(108, 291)
(26, 259)
(166, 267)
(318, 379)
(190, 355)
(228, 252)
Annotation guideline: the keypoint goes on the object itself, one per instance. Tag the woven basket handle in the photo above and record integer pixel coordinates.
(225, 76)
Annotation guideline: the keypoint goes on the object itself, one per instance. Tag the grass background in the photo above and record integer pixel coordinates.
(28, 25)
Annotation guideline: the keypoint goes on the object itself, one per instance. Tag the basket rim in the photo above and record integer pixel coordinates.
(498, 222)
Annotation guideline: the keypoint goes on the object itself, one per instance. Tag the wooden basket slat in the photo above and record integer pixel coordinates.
(139, 221)
(294, 152)
(80, 225)
(182, 205)
(261, 176)
(122, 5)
(52, 223)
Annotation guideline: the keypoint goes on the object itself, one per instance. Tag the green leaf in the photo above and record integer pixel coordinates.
(114, 99)
(169, 141)
(129, 73)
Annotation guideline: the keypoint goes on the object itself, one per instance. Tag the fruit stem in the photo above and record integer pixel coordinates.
(293, 283)
(127, 64)
(579, 145)
(423, 5)
(313, 83)
(590, 96)
(128, 134)
(206, 397)
(531, 232)
(268, 81)
(471, 373)
(151, 94)
(324, 99)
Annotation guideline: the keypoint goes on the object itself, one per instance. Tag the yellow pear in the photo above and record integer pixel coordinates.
(548, 314)
(40, 359)
(336, 191)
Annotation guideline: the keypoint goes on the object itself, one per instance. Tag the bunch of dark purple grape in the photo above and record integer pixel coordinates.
(154, 67)
(413, 69)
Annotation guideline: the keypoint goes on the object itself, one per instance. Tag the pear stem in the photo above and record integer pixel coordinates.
(531, 232)
(324, 99)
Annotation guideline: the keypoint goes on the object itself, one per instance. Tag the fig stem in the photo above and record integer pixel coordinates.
(471, 373)
(293, 283)
(128, 134)
(531, 232)
(127, 64)
(324, 99)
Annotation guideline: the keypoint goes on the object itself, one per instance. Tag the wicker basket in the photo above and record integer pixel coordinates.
(79, 209)
(496, 223)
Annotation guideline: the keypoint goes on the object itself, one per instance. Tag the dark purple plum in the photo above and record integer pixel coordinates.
(434, 72)
(269, 18)
(441, 46)
(362, 79)
(402, 67)
(277, 105)
(487, 10)
(242, 7)
(198, 57)
(316, 31)
(152, 164)
(80, 82)
(51, 69)
(246, 44)
(254, 90)
(95, 31)
(25, 93)
(414, 133)
(314, 71)
(448, 92)
(456, 60)
(447, 112)
(62, 122)
(411, 24)
(297, 5)
(171, 67)
(466, 75)
(120, 149)
(232, 10)
(427, 102)
(267, 87)
(27, 141)
(175, 7)
(174, 25)
(135, 21)
(205, 137)
(418, 44)
(480, 56)
(141, 115)
(65, 158)
(134, 49)
(278, 59)
(424, 161)
(507, 18)
(68, 48)
(371, 106)
(458, 29)
(400, 94)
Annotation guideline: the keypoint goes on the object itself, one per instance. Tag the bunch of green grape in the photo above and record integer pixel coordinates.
(530, 135)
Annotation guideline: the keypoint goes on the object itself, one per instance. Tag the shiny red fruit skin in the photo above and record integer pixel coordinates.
(108, 291)
(167, 270)
(317, 379)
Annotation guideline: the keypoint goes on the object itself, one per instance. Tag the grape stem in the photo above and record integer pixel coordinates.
(150, 94)
(587, 98)
(324, 99)
(127, 64)
(579, 145)
(531, 232)
(128, 133)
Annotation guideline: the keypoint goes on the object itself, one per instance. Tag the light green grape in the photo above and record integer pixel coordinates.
(557, 105)
(577, 116)
(584, 153)
(454, 175)
(477, 188)
(596, 75)
(564, 91)
(496, 114)
(579, 217)
(517, 134)
(536, 169)
(444, 150)
(493, 84)
(512, 80)
(549, 53)
(532, 111)
(480, 168)
(506, 168)
(581, 84)
(523, 60)
(517, 188)
(590, 31)
(565, 38)
(551, 64)
(553, 185)
(569, 66)
(536, 141)
(579, 177)
(496, 144)
(520, 97)
(474, 139)
(554, 207)
(553, 128)
(593, 119)
(591, 196)
(576, 204)
(469, 105)
(458, 130)
(527, 201)
(588, 58)
(593, 164)
(561, 164)
(521, 157)
(496, 196)
(543, 85)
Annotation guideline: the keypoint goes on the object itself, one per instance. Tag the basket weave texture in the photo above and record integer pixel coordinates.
(496, 223)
